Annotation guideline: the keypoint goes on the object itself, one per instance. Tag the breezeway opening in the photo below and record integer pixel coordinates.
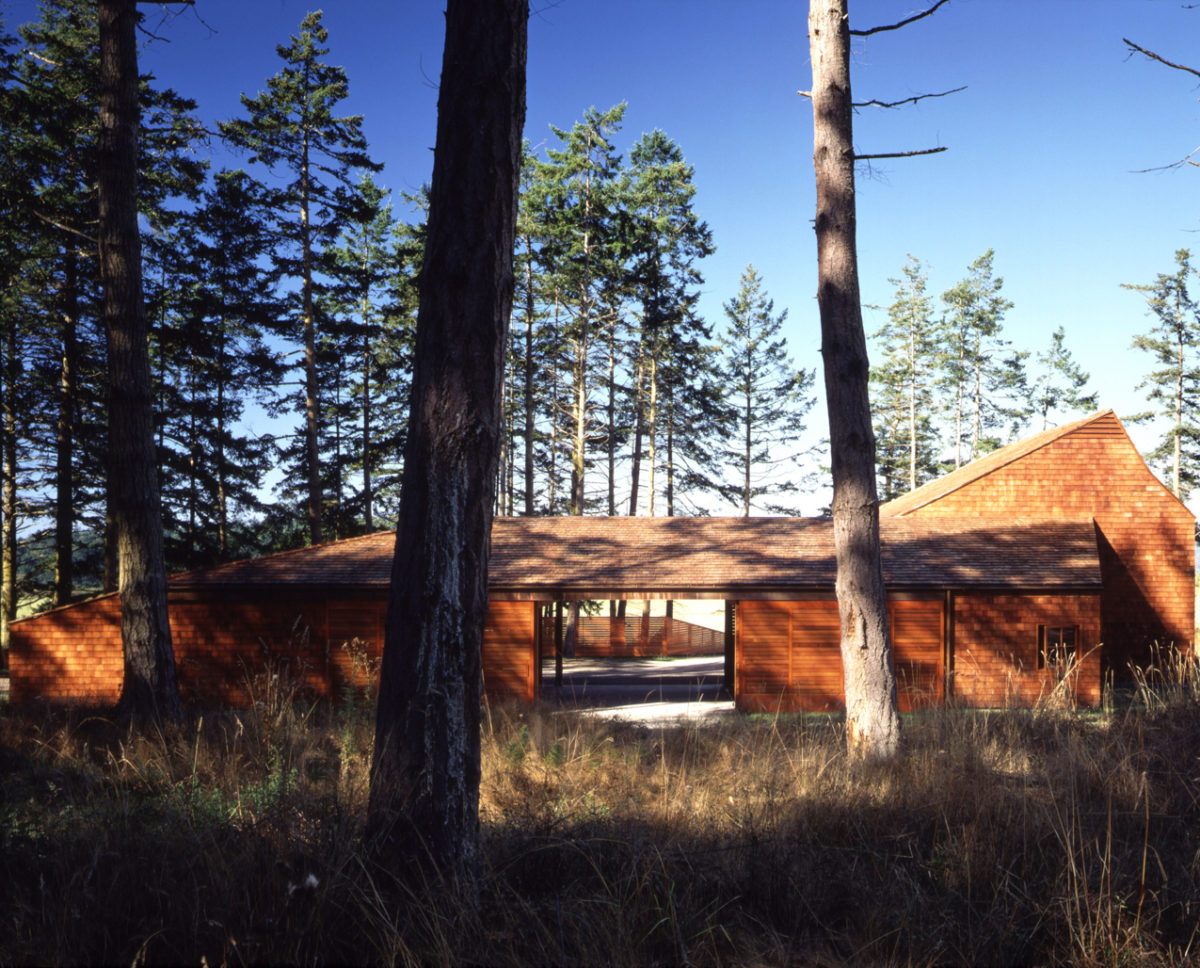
(638, 658)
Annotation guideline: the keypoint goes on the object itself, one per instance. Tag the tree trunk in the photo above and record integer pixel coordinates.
(368, 493)
(1180, 370)
(149, 689)
(312, 384)
(748, 449)
(424, 795)
(611, 434)
(530, 412)
(8, 588)
(872, 720)
(639, 430)
(219, 459)
(64, 473)
(652, 434)
(912, 403)
(579, 415)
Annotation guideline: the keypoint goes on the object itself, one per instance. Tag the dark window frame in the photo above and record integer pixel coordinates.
(1057, 647)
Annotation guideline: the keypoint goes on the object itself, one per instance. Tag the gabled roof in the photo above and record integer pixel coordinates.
(989, 463)
(601, 557)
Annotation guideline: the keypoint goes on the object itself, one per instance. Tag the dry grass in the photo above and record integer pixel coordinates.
(1016, 837)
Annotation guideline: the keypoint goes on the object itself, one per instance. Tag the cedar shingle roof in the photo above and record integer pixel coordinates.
(968, 473)
(592, 556)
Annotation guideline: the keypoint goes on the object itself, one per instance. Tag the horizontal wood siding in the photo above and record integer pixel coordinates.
(605, 636)
(918, 648)
(764, 655)
(816, 669)
(789, 658)
(996, 649)
(509, 651)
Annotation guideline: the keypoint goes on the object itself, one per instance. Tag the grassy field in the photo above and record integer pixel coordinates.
(1024, 836)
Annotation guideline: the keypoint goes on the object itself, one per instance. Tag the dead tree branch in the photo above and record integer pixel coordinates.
(1188, 159)
(1158, 57)
(903, 23)
(899, 154)
(908, 100)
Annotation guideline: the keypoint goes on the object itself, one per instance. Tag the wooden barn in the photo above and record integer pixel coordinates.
(1031, 570)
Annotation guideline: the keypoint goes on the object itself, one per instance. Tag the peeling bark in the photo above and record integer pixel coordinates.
(872, 719)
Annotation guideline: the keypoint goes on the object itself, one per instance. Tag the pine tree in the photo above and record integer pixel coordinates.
(665, 239)
(531, 404)
(424, 799)
(293, 128)
(903, 386)
(149, 688)
(1173, 387)
(216, 362)
(583, 195)
(770, 398)
(368, 356)
(869, 684)
(1058, 385)
(55, 93)
(985, 381)
(53, 102)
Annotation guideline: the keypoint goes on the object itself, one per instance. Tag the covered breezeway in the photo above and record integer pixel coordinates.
(776, 576)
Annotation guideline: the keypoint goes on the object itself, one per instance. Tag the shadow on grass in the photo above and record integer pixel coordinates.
(1017, 837)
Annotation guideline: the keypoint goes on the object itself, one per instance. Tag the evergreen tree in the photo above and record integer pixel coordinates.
(696, 419)
(665, 240)
(903, 386)
(293, 128)
(1173, 387)
(583, 194)
(367, 359)
(54, 97)
(149, 688)
(985, 380)
(216, 362)
(770, 399)
(1058, 385)
(527, 383)
(423, 813)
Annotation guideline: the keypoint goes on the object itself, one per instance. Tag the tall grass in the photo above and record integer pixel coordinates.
(1014, 837)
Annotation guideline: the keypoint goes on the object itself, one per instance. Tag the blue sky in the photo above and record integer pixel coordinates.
(1044, 144)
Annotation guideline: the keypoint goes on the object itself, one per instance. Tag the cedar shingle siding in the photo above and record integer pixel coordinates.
(1067, 531)
(1089, 469)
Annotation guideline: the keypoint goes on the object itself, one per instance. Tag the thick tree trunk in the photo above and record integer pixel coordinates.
(424, 796)
(149, 689)
(872, 720)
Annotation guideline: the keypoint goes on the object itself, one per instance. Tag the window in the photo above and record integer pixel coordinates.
(1056, 646)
